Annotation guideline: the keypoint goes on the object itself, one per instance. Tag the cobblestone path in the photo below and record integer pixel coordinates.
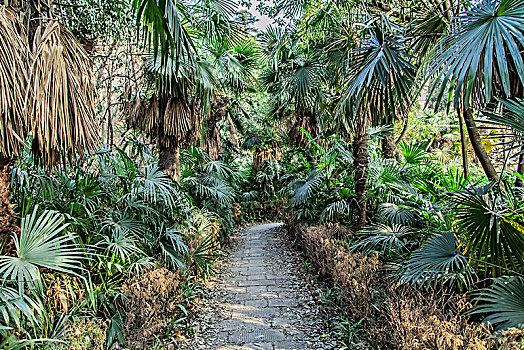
(259, 300)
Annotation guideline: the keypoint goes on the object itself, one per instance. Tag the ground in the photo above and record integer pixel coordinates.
(259, 300)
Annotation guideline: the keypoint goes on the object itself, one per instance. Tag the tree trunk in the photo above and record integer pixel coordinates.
(464, 146)
(520, 168)
(361, 168)
(169, 161)
(404, 130)
(478, 147)
(389, 147)
(7, 217)
(213, 141)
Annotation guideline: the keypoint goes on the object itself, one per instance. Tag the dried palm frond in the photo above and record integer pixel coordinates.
(135, 112)
(169, 120)
(60, 96)
(177, 119)
(151, 120)
(14, 65)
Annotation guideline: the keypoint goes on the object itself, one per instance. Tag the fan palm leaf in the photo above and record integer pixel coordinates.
(480, 51)
(512, 117)
(491, 232)
(440, 260)
(160, 24)
(337, 209)
(41, 244)
(503, 302)
(380, 74)
(155, 186)
(384, 239)
(305, 189)
(13, 305)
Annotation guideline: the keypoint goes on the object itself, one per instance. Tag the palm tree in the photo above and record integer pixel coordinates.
(380, 79)
(482, 57)
(183, 80)
(293, 78)
(233, 64)
(45, 93)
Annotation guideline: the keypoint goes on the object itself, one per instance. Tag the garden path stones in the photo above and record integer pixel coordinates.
(258, 300)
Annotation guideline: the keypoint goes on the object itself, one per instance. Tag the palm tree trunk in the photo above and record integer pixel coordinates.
(388, 147)
(213, 141)
(169, 161)
(478, 147)
(463, 144)
(7, 217)
(361, 168)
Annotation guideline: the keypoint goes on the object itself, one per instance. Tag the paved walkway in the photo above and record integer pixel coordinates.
(259, 301)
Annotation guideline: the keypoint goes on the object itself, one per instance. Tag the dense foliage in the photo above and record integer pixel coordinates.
(136, 135)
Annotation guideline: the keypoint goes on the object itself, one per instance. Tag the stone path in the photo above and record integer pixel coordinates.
(259, 301)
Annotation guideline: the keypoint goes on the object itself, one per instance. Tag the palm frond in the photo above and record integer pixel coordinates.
(305, 189)
(440, 260)
(413, 153)
(204, 255)
(477, 54)
(156, 186)
(160, 24)
(486, 220)
(513, 118)
(41, 244)
(397, 213)
(122, 244)
(14, 65)
(381, 75)
(13, 305)
(503, 302)
(60, 96)
(338, 209)
(213, 188)
(384, 239)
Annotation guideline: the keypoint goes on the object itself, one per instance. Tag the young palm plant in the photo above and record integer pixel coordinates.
(41, 244)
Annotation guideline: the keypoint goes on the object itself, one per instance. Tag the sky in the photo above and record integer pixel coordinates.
(264, 20)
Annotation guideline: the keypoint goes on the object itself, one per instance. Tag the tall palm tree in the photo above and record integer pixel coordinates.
(233, 65)
(379, 83)
(482, 58)
(293, 78)
(45, 93)
(183, 79)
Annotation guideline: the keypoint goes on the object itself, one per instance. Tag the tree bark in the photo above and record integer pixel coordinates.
(213, 140)
(361, 168)
(389, 147)
(169, 161)
(7, 217)
(464, 145)
(478, 147)
(404, 130)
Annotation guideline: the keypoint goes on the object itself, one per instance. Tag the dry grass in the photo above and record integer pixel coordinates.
(353, 273)
(424, 321)
(150, 301)
(395, 316)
